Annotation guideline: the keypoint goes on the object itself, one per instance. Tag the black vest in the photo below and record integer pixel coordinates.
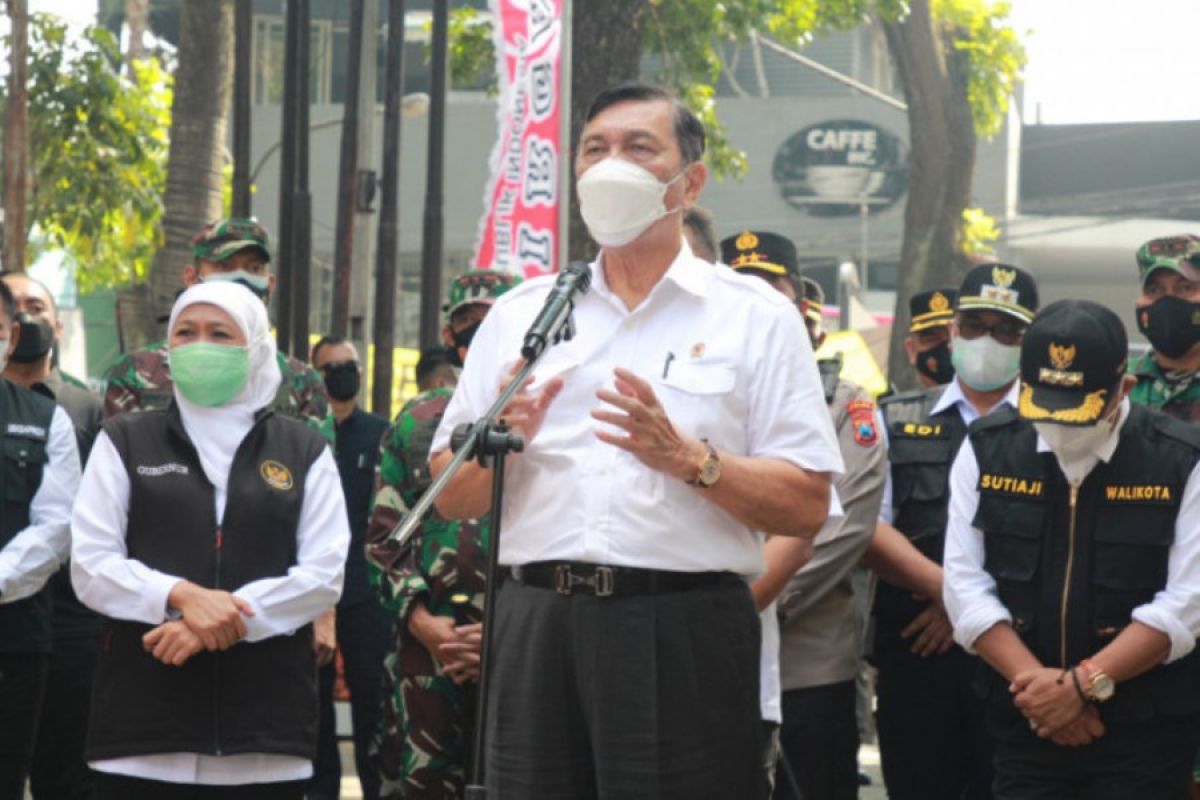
(25, 419)
(921, 449)
(1070, 595)
(255, 697)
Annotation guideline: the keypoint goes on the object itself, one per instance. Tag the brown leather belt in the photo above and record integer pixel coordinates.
(575, 577)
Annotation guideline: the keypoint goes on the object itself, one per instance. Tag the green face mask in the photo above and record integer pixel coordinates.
(209, 374)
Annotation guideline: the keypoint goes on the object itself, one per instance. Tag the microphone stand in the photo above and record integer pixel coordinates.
(489, 441)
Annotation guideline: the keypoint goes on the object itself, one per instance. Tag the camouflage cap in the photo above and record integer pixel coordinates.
(1166, 253)
(478, 286)
(221, 239)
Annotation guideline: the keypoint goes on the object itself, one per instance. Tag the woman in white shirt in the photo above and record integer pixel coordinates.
(210, 534)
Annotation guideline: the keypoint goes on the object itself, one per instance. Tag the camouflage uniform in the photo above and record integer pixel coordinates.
(141, 381)
(426, 730)
(1180, 399)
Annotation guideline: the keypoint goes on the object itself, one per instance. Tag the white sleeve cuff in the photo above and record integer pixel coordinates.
(977, 622)
(1182, 640)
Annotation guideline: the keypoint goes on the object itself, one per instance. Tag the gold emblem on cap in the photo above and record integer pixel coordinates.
(746, 241)
(1061, 355)
(276, 475)
(939, 302)
(1003, 277)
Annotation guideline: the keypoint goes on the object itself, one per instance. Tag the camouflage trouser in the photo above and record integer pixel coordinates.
(423, 746)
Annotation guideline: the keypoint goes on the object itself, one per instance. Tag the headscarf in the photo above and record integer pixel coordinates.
(217, 431)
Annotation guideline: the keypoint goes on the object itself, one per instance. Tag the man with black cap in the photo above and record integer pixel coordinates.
(1168, 314)
(1073, 568)
(931, 735)
(817, 630)
(928, 340)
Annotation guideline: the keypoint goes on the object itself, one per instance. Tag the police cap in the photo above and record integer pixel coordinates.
(999, 287)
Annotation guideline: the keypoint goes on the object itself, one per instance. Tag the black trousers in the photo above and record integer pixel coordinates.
(22, 685)
(123, 787)
(819, 739)
(1144, 760)
(625, 698)
(60, 771)
(363, 634)
(933, 739)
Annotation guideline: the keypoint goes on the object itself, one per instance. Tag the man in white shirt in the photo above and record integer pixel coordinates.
(660, 440)
(39, 476)
(1073, 568)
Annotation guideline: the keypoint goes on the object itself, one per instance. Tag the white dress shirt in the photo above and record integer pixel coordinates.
(729, 359)
(953, 396)
(970, 592)
(36, 553)
(110, 582)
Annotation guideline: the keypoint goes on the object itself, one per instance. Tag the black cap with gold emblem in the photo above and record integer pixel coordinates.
(931, 308)
(999, 287)
(761, 251)
(1072, 360)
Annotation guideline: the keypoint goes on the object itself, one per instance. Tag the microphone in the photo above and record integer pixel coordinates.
(572, 283)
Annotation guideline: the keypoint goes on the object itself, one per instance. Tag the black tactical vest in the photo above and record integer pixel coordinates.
(25, 419)
(921, 449)
(255, 697)
(1072, 588)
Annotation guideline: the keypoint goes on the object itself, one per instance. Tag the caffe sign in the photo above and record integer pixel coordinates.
(839, 166)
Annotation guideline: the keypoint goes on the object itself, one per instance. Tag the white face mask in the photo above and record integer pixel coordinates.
(3, 354)
(984, 364)
(619, 200)
(1072, 444)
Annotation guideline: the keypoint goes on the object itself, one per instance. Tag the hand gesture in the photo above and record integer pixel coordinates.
(172, 643)
(652, 437)
(526, 410)
(213, 615)
(935, 634)
(1085, 729)
(460, 658)
(1048, 698)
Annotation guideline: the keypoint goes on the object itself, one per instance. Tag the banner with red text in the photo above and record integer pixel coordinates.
(519, 228)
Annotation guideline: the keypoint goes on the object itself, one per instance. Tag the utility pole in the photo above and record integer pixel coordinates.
(343, 246)
(302, 202)
(360, 280)
(431, 240)
(242, 22)
(287, 165)
(389, 216)
(16, 138)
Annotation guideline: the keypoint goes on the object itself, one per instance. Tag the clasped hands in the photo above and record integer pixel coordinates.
(210, 619)
(1055, 708)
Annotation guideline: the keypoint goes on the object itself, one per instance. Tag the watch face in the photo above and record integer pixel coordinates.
(1103, 687)
(710, 471)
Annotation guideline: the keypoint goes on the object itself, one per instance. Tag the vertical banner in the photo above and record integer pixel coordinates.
(519, 229)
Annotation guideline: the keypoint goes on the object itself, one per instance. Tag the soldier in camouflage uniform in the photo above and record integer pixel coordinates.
(433, 586)
(238, 250)
(1168, 314)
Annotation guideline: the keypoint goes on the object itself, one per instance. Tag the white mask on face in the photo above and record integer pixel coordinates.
(984, 364)
(3, 354)
(1076, 443)
(619, 200)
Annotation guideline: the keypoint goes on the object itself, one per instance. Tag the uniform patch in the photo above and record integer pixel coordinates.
(919, 429)
(1011, 485)
(1139, 494)
(162, 469)
(27, 431)
(276, 475)
(862, 417)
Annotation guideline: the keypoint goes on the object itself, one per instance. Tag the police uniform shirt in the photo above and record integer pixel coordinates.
(952, 396)
(970, 592)
(123, 588)
(34, 554)
(728, 358)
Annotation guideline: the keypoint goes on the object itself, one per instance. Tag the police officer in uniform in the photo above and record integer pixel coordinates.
(1168, 314)
(39, 477)
(931, 736)
(928, 342)
(1073, 569)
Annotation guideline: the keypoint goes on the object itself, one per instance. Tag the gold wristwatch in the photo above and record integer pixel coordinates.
(708, 471)
(1100, 687)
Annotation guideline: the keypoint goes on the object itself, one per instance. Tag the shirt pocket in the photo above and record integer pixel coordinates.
(24, 459)
(700, 399)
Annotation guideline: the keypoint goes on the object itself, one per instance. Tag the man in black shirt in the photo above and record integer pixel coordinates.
(363, 628)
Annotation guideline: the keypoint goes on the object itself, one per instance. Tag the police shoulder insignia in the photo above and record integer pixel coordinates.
(862, 417)
(276, 475)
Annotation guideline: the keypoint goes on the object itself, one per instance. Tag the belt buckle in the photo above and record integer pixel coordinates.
(563, 579)
(603, 581)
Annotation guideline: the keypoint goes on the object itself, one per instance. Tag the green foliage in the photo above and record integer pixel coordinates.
(98, 152)
(978, 233)
(472, 56)
(995, 56)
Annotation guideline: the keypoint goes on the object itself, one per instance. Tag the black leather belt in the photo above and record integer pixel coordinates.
(572, 577)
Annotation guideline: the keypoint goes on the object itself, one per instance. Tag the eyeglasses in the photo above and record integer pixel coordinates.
(1006, 331)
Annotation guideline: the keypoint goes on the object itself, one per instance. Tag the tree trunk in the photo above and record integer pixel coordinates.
(137, 22)
(606, 50)
(934, 78)
(16, 140)
(199, 117)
